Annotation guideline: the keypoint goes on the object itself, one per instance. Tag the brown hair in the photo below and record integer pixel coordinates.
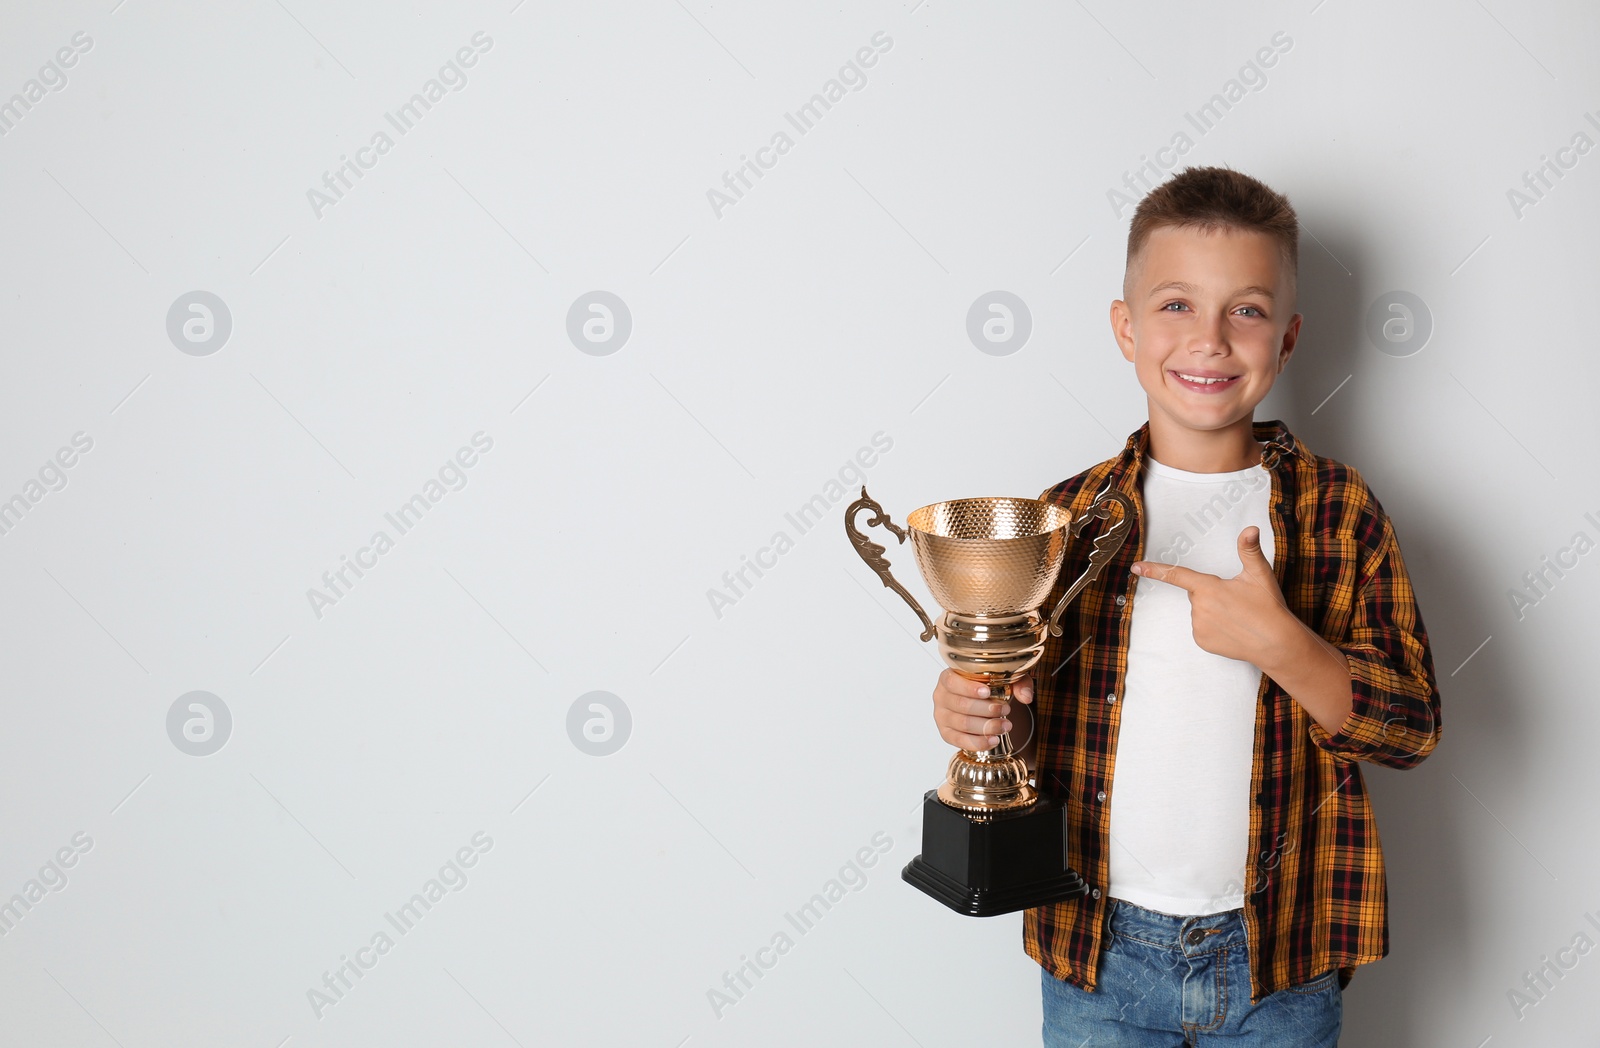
(1215, 198)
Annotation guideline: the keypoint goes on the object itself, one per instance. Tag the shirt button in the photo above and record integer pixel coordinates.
(1121, 600)
(1095, 894)
(1111, 697)
(1100, 796)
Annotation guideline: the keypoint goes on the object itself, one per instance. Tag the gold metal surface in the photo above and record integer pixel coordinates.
(991, 563)
(990, 556)
(872, 553)
(1105, 547)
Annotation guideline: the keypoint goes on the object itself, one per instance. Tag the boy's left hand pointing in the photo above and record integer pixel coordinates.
(1244, 617)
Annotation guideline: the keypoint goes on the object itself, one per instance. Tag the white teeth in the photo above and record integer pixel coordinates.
(1202, 381)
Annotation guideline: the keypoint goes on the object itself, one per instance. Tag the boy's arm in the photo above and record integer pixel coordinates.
(1394, 716)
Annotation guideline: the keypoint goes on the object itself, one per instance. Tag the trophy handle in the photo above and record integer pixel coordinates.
(872, 553)
(1105, 547)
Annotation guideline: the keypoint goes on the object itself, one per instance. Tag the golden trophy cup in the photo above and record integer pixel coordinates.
(992, 841)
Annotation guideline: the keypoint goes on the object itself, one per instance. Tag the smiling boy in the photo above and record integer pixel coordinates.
(1236, 873)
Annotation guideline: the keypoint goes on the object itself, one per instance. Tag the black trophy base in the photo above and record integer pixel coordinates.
(1002, 863)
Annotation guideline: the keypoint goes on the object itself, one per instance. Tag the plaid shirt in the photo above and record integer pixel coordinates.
(1314, 888)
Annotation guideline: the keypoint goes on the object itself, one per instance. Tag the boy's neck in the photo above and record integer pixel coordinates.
(1234, 447)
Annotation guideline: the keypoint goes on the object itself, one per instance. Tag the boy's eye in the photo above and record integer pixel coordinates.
(1253, 311)
(1180, 305)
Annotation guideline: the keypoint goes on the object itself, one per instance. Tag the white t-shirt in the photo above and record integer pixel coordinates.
(1180, 793)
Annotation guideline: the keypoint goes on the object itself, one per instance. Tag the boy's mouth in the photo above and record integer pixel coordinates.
(1204, 381)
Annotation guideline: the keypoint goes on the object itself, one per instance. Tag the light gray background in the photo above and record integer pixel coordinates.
(768, 344)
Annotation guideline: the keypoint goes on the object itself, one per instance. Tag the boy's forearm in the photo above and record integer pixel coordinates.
(1315, 674)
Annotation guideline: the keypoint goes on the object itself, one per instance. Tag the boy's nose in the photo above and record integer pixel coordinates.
(1209, 335)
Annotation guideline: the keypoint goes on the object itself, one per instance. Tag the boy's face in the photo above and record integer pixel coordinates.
(1203, 305)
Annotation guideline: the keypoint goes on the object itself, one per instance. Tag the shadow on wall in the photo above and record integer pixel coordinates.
(1419, 811)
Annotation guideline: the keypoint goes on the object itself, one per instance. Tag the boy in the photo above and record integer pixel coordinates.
(1237, 877)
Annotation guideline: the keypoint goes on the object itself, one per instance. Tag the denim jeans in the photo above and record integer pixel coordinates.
(1167, 981)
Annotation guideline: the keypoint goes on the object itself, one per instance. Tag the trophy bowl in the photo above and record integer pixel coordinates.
(989, 556)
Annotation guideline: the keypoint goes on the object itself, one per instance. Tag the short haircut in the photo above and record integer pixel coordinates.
(1215, 198)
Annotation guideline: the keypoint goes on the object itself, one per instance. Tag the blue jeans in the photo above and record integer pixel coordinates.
(1167, 981)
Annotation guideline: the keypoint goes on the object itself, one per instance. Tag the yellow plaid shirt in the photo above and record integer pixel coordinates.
(1313, 881)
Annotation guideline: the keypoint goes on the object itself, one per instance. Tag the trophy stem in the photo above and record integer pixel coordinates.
(999, 751)
(987, 781)
(999, 691)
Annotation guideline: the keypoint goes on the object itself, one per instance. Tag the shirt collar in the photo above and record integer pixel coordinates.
(1280, 447)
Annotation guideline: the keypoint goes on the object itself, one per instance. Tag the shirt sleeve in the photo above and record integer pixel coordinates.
(1394, 719)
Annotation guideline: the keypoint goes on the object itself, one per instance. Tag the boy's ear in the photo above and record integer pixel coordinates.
(1122, 328)
(1291, 337)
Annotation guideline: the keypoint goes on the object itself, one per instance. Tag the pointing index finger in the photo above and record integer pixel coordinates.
(1176, 574)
